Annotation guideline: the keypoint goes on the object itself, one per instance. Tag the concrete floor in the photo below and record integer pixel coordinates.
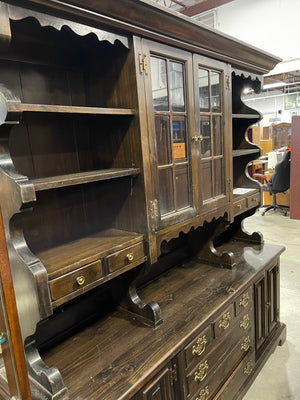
(280, 377)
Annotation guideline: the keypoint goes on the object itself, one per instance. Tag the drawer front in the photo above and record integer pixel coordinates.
(240, 206)
(244, 301)
(75, 280)
(206, 368)
(237, 379)
(125, 257)
(198, 348)
(254, 200)
(224, 322)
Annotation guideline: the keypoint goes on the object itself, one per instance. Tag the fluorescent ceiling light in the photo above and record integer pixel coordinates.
(274, 85)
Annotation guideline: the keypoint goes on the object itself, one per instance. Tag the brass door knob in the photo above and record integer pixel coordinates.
(129, 256)
(80, 280)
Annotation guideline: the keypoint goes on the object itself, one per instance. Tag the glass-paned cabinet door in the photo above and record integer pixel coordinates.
(169, 103)
(211, 105)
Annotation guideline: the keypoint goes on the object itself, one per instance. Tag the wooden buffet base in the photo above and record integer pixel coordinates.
(115, 357)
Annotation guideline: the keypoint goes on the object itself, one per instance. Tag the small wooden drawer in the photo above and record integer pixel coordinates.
(254, 200)
(198, 348)
(224, 322)
(125, 257)
(244, 301)
(240, 206)
(75, 280)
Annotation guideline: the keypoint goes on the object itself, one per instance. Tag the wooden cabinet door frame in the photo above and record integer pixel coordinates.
(154, 49)
(201, 62)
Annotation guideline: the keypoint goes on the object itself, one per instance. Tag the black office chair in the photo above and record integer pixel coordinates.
(279, 181)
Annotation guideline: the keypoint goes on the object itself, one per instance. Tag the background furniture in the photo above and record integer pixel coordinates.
(279, 182)
(123, 193)
(281, 135)
(283, 199)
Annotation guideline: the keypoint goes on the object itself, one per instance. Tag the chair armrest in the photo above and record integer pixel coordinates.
(261, 176)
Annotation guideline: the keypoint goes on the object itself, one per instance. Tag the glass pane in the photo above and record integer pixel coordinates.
(179, 139)
(182, 186)
(207, 180)
(217, 134)
(289, 137)
(219, 179)
(215, 82)
(177, 86)
(275, 138)
(166, 191)
(283, 137)
(203, 83)
(159, 81)
(206, 134)
(163, 139)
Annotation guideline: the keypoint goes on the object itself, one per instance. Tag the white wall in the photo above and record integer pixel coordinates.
(271, 25)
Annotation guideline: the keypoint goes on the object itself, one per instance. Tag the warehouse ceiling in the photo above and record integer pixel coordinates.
(192, 7)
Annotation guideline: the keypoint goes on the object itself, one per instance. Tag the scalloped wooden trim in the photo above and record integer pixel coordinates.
(17, 13)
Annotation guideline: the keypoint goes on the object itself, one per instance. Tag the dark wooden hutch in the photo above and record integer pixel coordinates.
(126, 272)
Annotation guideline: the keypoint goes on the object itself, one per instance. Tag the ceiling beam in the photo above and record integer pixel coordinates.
(203, 6)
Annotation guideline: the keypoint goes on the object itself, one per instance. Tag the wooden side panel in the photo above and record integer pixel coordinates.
(295, 168)
(13, 352)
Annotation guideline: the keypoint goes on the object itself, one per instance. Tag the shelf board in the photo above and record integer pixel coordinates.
(244, 152)
(59, 181)
(67, 257)
(47, 108)
(246, 116)
(238, 193)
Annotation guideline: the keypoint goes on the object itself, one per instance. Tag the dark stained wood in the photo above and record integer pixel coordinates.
(199, 288)
(82, 177)
(295, 165)
(22, 107)
(146, 19)
(65, 258)
(12, 348)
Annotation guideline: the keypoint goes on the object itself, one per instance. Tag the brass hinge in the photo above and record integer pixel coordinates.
(154, 213)
(174, 374)
(228, 82)
(143, 64)
(229, 181)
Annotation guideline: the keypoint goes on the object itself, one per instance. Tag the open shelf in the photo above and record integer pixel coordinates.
(70, 256)
(243, 152)
(54, 182)
(244, 192)
(246, 116)
(46, 108)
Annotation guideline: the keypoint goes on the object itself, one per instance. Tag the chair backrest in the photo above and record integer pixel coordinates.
(280, 180)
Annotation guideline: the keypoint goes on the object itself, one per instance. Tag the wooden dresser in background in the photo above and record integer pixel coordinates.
(125, 271)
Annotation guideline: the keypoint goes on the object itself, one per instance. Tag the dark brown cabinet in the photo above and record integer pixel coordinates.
(123, 191)
(266, 304)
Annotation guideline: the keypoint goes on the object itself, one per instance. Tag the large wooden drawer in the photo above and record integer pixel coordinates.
(125, 257)
(75, 280)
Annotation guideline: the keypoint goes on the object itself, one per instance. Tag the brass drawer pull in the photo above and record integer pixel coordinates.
(224, 321)
(80, 280)
(201, 372)
(244, 300)
(246, 344)
(129, 256)
(248, 368)
(199, 347)
(204, 394)
(245, 322)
